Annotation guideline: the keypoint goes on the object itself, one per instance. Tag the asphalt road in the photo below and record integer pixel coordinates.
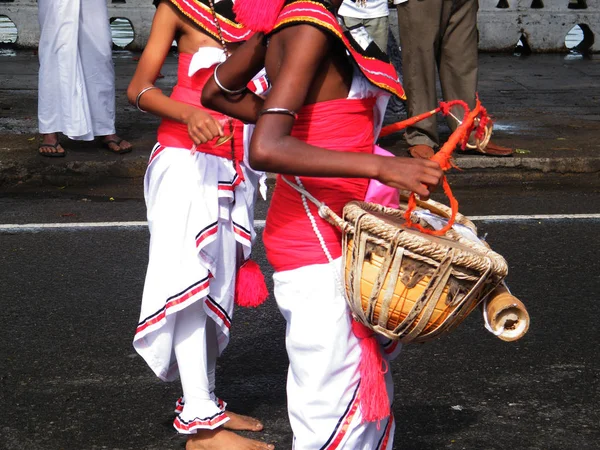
(69, 303)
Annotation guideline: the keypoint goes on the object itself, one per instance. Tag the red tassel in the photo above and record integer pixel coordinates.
(374, 400)
(258, 15)
(250, 288)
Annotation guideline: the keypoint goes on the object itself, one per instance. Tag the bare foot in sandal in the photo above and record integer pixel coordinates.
(242, 423)
(116, 145)
(220, 439)
(50, 146)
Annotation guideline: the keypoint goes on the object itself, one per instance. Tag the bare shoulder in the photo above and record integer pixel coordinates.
(167, 14)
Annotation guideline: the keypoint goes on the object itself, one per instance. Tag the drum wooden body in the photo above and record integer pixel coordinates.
(408, 285)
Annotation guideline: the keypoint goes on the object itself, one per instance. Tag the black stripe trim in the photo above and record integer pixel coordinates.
(205, 229)
(214, 416)
(219, 307)
(241, 228)
(384, 432)
(151, 316)
(337, 427)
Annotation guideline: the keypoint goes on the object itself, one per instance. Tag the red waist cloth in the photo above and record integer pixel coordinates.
(341, 125)
(188, 90)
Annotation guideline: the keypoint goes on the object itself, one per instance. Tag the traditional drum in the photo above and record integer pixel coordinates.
(407, 285)
(416, 272)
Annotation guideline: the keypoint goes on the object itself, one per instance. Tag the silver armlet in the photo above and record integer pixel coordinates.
(223, 88)
(142, 92)
(278, 111)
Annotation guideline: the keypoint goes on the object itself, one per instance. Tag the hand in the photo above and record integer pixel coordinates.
(202, 127)
(420, 176)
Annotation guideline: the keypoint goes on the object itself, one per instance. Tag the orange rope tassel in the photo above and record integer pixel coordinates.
(443, 157)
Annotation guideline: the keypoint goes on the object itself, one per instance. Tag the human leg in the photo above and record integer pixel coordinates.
(418, 23)
(191, 351)
(62, 104)
(95, 46)
(236, 421)
(458, 54)
(196, 354)
(324, 354)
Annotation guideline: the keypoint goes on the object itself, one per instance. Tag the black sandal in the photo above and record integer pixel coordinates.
(56, 154)
(117, 142)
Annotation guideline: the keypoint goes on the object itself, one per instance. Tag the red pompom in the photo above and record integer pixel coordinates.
(258, 15)
(374, 400)
(250, 288)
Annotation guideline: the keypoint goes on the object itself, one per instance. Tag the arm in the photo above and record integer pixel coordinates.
(201, 125)
(234, 73)
(304, 48)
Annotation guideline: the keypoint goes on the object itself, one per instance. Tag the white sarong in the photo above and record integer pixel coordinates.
(76, 93)
(201, 231)
(323, 376)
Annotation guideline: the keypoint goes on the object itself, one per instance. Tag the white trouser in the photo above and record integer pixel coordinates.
(196, 348)
(324, 354)
(76, 93)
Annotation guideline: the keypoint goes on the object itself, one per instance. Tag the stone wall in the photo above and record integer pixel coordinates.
(23, 14)
(540, 24)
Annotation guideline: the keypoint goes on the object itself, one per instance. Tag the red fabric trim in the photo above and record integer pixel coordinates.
(380, 73)
(388, 429)
(218, 313)
(390, 349)
(206, 234)
(155, 318)
(157, 151)
(241, 232)
(343, 429)
(200, 423)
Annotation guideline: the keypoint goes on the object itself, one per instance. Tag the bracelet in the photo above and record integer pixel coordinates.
(278, 111)
(223, 88)
(142, 92)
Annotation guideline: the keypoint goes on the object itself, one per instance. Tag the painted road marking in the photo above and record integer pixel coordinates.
(36, 227)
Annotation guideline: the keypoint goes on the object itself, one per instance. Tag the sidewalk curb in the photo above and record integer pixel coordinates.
(473, 170)
(38, 172)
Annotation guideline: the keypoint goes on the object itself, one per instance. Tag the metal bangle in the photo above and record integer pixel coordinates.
(142, 92)
(279, 111)
(223, 88)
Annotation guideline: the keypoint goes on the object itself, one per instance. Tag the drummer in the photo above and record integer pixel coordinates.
(319, 122)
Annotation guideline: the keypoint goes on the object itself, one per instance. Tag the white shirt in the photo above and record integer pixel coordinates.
(372, 10)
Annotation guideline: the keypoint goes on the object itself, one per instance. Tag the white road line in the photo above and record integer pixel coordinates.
(32, 227)
(509, 218)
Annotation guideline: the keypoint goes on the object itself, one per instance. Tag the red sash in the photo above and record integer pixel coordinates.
(382, 74)
(198, 11)
(341, 125)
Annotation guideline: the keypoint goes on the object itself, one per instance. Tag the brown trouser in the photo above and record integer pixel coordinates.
(438, 34)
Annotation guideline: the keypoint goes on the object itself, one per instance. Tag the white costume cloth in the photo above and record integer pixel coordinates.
(200, 232)
(323, 376)
(76, 92)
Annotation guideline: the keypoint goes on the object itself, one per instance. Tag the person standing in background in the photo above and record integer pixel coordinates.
(439, 35)
(76, 93)
(373, 15)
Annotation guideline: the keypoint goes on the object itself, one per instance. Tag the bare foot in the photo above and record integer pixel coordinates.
(115, 144)
(50, 146)
(242, 423)
(220, 439)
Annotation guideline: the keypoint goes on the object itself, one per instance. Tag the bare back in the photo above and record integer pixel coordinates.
(332, 77)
